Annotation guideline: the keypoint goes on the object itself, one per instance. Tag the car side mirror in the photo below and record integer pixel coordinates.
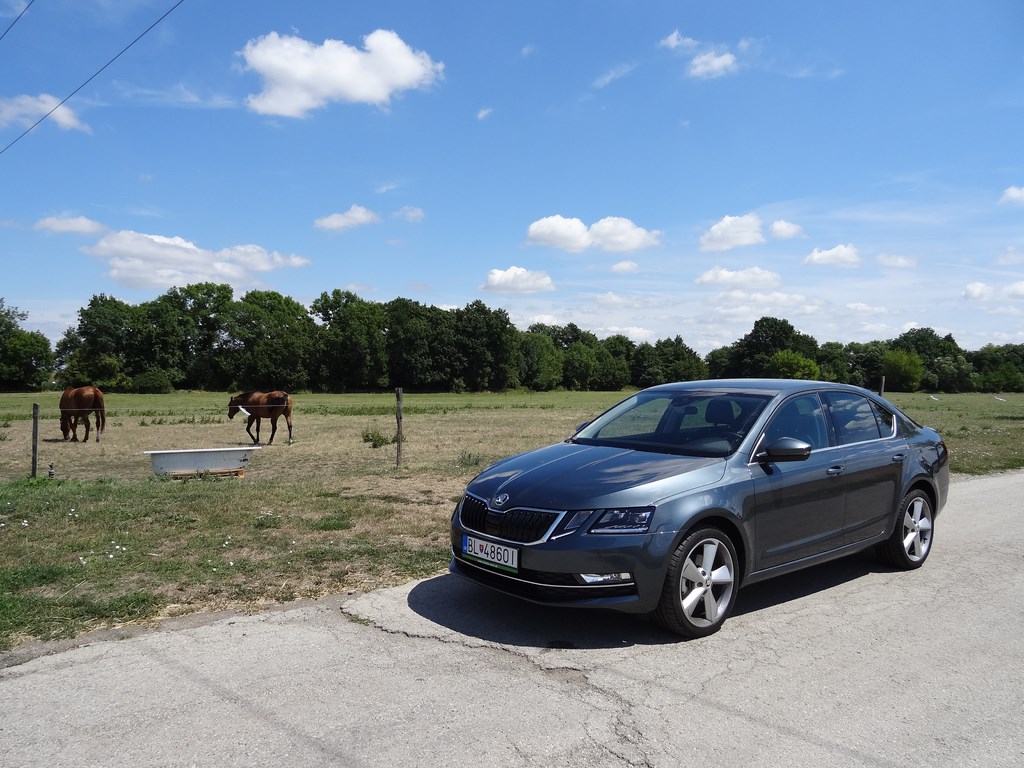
(784, 449)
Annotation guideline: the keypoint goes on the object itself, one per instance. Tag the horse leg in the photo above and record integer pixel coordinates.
(248, 428)
(74, 428)
(97, 426)
(288, 419)
(87, 427)
(273, 429)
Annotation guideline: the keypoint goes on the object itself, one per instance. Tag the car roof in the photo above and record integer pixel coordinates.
(758, 386)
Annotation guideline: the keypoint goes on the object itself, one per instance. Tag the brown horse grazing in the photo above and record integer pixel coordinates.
(263, 405)
(77, 403)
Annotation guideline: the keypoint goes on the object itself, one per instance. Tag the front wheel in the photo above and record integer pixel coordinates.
(911, 540)
(700, 588)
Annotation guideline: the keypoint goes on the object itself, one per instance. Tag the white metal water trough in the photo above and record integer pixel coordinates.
(202, 461)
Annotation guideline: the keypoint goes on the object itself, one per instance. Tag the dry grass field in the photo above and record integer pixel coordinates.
(105, 541)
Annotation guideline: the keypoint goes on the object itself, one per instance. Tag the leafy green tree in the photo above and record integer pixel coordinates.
(833, 362)
(954, 373)
(26, 358)
(202, 312)
(678, 362)
(421, 347)
(270, 342)
(580, 366)
(787, 364)
(999, 368)
(99, 349)
(352, 343)
(646, 367)
(751, 355)
(720, 362)
(611, 373)
(903, 370)
(540, 362)
(565, 336)
(867, 363)
(487, 349)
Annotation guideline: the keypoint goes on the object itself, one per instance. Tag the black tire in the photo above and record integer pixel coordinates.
(697, 598)
(911, 539)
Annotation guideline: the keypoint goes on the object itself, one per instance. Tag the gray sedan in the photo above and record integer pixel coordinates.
(671, 500)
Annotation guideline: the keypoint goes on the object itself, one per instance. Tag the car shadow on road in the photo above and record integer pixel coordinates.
(476, 611)
(803, 584)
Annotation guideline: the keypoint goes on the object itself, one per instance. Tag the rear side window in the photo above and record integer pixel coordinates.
(855, 418)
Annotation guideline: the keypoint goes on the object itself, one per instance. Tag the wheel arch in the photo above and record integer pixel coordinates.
(728, 525)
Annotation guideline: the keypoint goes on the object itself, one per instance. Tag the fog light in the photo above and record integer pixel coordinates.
(606, 578)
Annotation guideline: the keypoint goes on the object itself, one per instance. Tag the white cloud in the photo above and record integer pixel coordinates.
(155, 261)
(977, 291)
(1010, 257)
(79, 225)
(559, 232)
(759, 301)
(1013, 195)
(754, 276)
(517, 280)
(899, 262)
(299, 76)
(612, 75)
(624, 267)
(610, 299)
(711, 65)
(840, 256)
(619, 235)
(786, 230)
(733, 232)
(676, 40)
(484, 113)
(1016, 291)
(26, 110)
(527, 50)
(612, 233)
(867, 309)
(356, 216)
(409, 213)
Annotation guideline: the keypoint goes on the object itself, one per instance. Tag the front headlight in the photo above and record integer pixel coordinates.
(624, 520)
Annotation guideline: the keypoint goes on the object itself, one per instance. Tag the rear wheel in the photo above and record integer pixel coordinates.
(700, 588)
(911, 540)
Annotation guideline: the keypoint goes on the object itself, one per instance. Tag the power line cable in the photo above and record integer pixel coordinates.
(16, 19)
(95, 74)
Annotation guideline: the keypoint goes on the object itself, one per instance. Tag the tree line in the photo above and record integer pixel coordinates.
(200, 337)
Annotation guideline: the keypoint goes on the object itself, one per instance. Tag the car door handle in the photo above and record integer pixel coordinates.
(834, 471)
(899, 458)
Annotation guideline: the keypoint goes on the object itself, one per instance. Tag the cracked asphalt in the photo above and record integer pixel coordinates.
(848, 664)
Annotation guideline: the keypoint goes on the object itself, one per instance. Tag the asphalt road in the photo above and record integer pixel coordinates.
(847, 664)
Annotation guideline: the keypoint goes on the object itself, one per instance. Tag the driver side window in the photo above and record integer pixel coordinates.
(801, 418)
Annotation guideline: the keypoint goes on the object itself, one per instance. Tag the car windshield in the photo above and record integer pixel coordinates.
(688, 423)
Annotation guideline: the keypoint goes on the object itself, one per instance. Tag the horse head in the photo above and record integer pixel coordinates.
(233, 407)
(65, 425)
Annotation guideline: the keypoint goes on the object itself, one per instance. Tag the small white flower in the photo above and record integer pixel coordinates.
(24, 523)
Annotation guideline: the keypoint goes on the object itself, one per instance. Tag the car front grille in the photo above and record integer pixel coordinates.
(519, 525)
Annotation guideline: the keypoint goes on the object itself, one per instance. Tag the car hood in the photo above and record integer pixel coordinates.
(571, 476)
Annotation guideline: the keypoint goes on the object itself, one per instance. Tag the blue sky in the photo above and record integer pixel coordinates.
(647, 168)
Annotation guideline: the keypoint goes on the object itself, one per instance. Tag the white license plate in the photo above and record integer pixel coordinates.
(498, 555)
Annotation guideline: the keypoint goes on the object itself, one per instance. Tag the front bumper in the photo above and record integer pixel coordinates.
(549, 571)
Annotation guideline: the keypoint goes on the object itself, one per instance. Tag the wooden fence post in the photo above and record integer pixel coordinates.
(35, 437)
(398, 435)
